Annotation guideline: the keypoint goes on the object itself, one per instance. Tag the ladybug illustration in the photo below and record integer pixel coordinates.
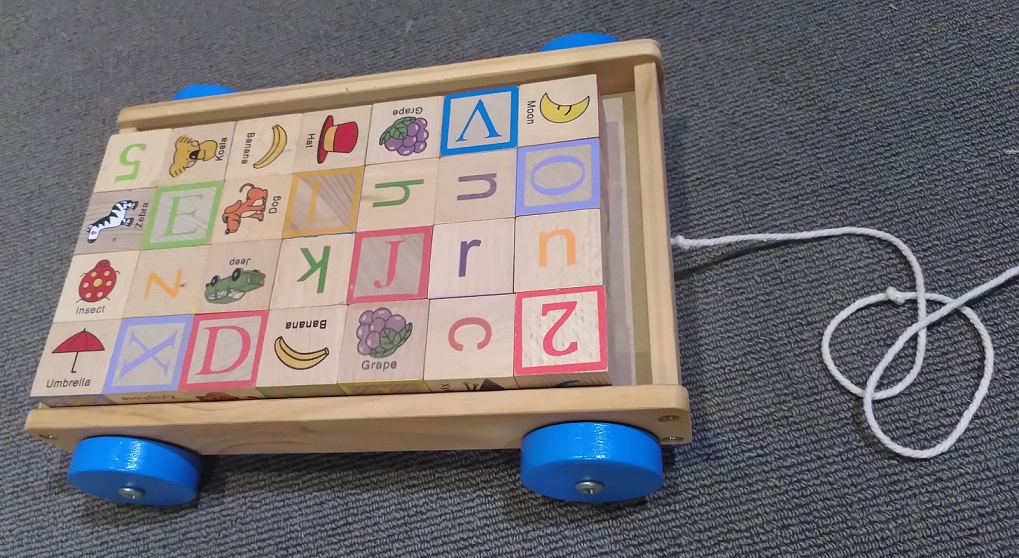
(97, 282)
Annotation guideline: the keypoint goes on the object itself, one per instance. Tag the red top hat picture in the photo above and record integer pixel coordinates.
(335, 138)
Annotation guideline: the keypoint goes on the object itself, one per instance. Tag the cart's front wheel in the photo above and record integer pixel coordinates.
(135, 471)
(591, 462)
(198, 90)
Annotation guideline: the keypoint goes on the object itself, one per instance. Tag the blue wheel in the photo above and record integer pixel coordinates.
(591, 462)
(201, 90)
(135, 471)
(575, 40)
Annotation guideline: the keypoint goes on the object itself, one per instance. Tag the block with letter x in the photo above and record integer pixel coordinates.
(147, 360)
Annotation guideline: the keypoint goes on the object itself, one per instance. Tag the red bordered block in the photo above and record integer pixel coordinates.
(390, 265)
(561, 338)
(223, 354)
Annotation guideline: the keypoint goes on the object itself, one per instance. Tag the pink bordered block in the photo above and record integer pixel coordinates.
(223, 355)
(390, 265)
(560, 338)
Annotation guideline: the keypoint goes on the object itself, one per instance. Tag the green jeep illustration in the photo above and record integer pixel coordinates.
(224, 290)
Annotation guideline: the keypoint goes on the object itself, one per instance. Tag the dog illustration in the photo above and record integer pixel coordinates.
(252, 207)
(117, 218)
(189, 151)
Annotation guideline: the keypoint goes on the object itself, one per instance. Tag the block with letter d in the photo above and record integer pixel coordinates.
(223, 356)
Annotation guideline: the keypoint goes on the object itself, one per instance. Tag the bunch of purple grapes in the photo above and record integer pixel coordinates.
(370, 329)
(407, 135)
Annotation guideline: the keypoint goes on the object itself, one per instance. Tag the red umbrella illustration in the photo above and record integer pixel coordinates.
(81, 342)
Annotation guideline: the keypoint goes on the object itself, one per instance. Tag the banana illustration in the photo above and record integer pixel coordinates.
(296, 359)
(560, 114)
(279, 143)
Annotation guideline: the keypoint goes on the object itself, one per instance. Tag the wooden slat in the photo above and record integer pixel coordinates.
(657, 251)
(408, 422)
(613, 63)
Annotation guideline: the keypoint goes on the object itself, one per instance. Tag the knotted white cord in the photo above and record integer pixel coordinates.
(918, 329)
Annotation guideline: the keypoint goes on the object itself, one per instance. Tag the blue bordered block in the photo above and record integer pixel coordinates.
(479, 121)
(558, 177)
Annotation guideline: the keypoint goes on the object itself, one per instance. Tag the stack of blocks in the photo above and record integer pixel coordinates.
(440, 244)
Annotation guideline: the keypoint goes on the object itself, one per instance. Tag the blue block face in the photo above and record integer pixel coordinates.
(560, 176)
(479, 121)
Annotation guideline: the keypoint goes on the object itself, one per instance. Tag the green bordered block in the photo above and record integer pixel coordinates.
(182, 215)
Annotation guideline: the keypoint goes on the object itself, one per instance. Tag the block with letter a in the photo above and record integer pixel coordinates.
(470, 344)
(223, 355)
(561, 338)
(475, 121)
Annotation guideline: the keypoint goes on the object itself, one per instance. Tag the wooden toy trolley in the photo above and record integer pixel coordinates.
(578, 443)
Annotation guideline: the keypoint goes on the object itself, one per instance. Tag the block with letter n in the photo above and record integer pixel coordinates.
(182, 215)
(561, 338)
(476, 186)
(223, 356)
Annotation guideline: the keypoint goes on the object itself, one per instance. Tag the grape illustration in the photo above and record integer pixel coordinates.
(380, 332)
(406, 135)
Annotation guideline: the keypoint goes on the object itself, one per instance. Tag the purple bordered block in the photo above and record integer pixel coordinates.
(560, 176)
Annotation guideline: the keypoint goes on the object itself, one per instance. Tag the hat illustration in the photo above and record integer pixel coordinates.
(336, 138)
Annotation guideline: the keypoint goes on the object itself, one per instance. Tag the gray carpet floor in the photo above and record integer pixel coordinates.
(780, 116)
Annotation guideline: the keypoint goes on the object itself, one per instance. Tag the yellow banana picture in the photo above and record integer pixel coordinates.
(297, 359)
(560, 114)
(279, 143)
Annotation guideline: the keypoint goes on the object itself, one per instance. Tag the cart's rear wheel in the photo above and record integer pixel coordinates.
(574, 40)
(135, 471)
(201, 90)
(591, 462)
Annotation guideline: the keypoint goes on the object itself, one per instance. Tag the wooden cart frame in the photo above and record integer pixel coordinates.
(657, 403)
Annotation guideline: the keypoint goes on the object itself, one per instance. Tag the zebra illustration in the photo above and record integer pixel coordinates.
(117, 218)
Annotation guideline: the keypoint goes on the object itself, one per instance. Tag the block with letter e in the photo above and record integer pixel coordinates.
(182, 215)
(561, 338)
(223, 356)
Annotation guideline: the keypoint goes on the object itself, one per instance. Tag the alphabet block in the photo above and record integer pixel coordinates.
(559, 177)
(197, 154)
(561, 338)
(252, 209)
(390, 265)
(115, 221)
(264, 146)
(333, 139)
(223, 356)
(147, 360)
(557, 250)
(470, 344)
(475, 121)
(313, 271)
(476, 186)
(398, 195)
(402, 130)
(132, 161)
(182, 216)
(471, 259)
(559, 110)
(74, 363)
(384, 348)
(167, 282)
(323, 202)
(301, 357)
(239, 276)
(96, 287)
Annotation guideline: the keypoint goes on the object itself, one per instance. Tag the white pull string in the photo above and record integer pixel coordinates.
(919, 328)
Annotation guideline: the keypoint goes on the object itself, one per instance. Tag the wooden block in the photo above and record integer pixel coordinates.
(96, 287)
(74, 362)
(471, 259)
(239, 276)
(559, 177)
(323, 202)
(561, 338)
(483, 120)
(147, 360)
(333, 139)
(557, 250)
(313, 271)
(476, 186)
(470, 344)
(223, 356)
(133, 160)
(395, 121)
(398, 195)
(182, 215)
(197, 154)
(301, 357)
(390, 265)
(167, 282)
(115, 221)
(264, 146)
(559, 110)
(252, 209)
(391, 361)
